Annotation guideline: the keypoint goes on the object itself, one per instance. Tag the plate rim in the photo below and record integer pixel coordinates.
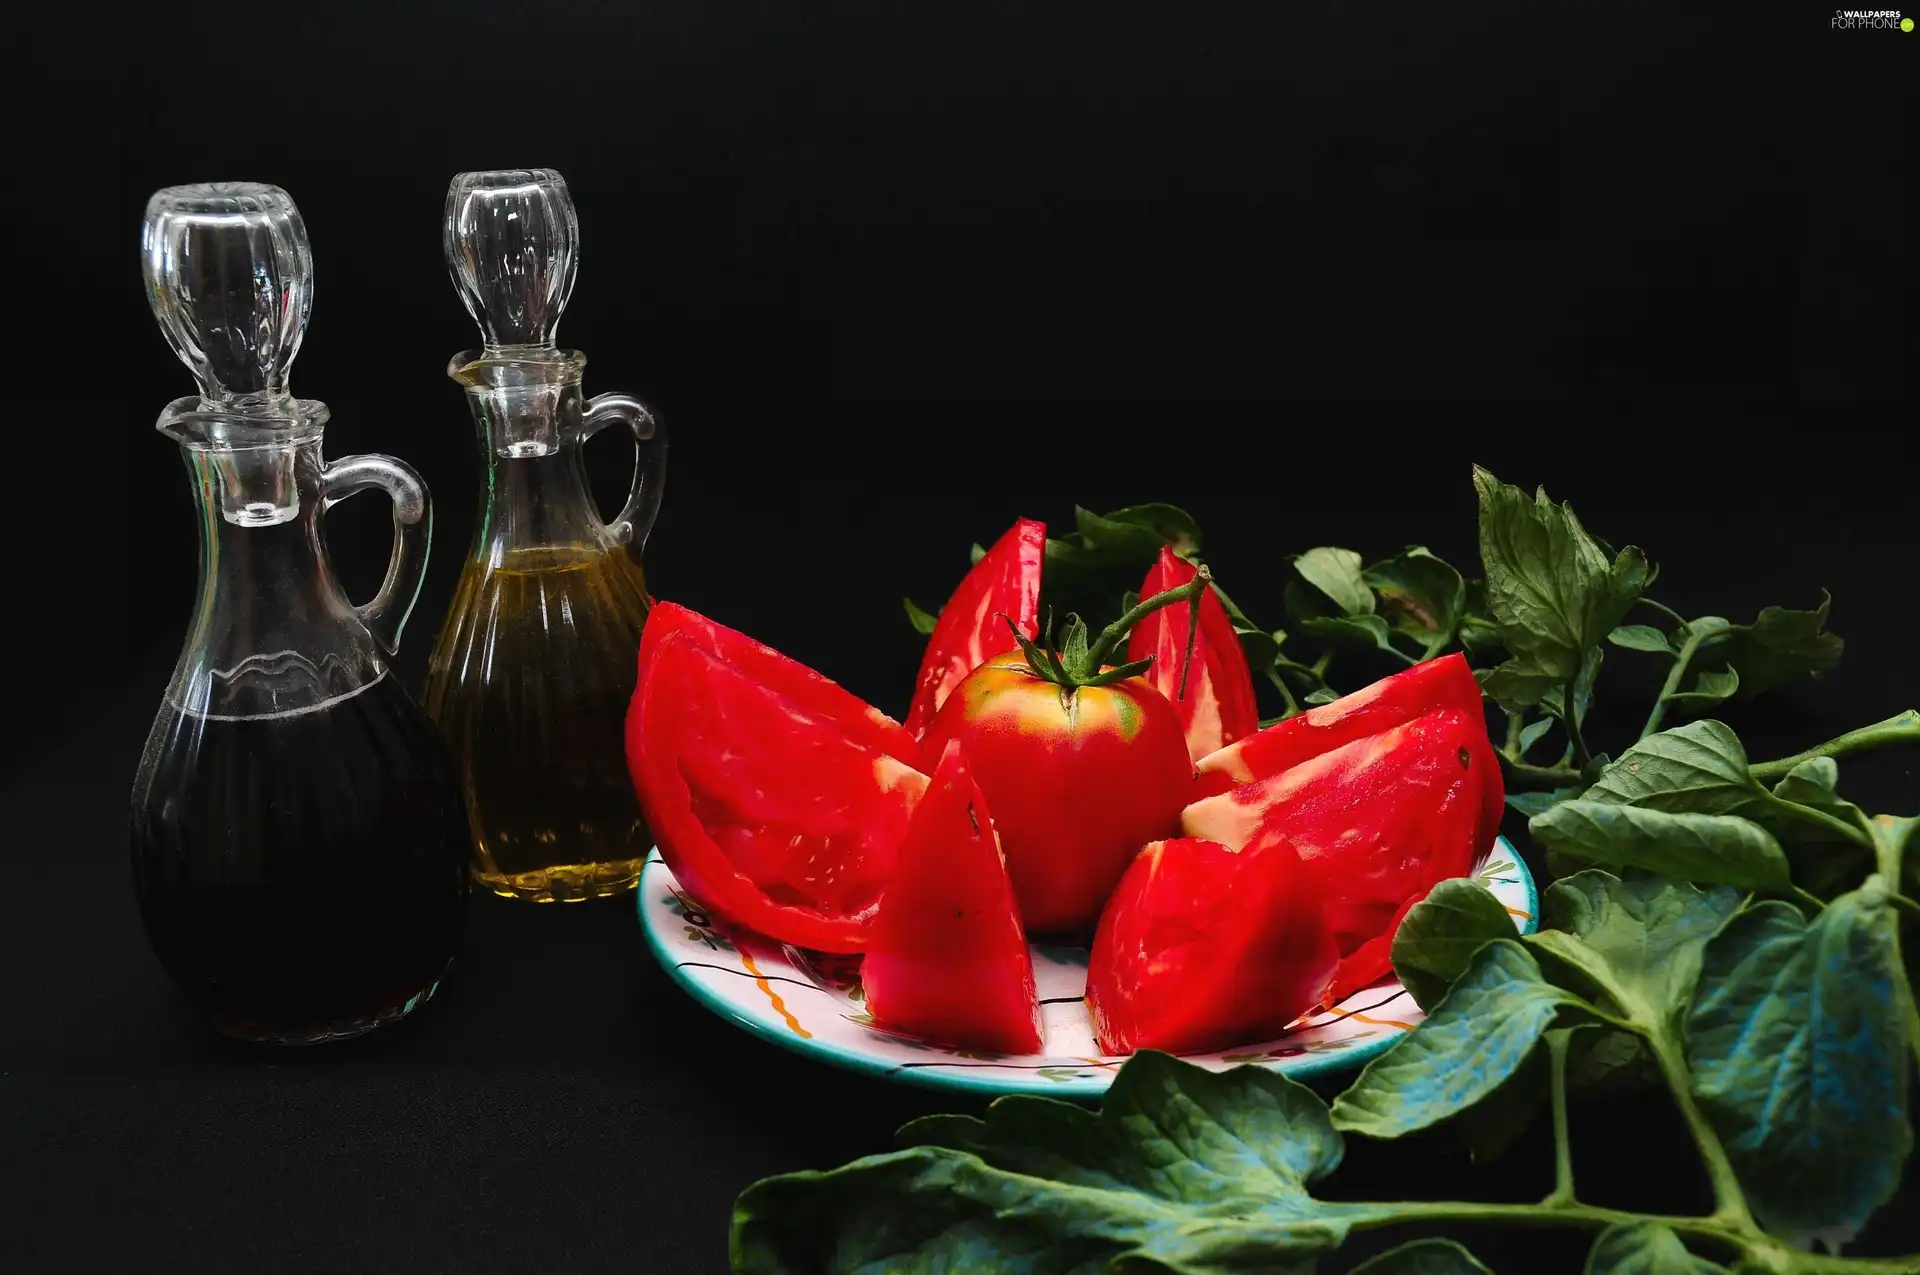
(834, 1054)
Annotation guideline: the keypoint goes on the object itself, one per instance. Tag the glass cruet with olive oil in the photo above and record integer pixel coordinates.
(535, 664)
(298, 847)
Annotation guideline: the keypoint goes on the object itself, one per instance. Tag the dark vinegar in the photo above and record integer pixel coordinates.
(303, 875)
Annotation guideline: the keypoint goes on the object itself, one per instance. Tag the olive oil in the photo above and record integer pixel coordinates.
(530, 686)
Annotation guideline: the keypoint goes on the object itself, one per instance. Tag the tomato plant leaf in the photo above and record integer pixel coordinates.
(1170, 524)
(1478, 1035)
(1423, 1257)
(1641, 637)
(1261, 649)
(1554, 699)
(1534, 803)
(1424, 595)
(1709, 689)
(1439, 935)
(1798, 1047)
(1549, 586)
(1338, 575)
(1813, 784)
(1516, 685)
(1783, 646)
(1118, 541)
(1698, 768)
(1324, 695)
(1640, 938)
(978, 552)
(1711, 849)
(1645, 1248)
(922, 620)
(1350, 630)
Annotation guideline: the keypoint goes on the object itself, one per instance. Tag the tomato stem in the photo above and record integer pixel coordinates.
(1084, 666)
(1116, 633)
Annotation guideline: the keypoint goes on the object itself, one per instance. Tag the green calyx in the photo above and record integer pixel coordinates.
(1078, 661)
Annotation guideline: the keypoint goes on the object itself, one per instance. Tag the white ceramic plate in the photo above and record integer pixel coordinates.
(810, 1002)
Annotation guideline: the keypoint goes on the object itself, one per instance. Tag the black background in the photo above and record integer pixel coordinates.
(894, 276)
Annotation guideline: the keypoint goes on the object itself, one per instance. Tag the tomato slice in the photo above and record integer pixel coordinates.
(1218, 707)
(1446, 682)
(862, 723)
(1371, 961)
(969, 631)
(1202, 948)
(947, 959)
(1377, 820)
(773, 809)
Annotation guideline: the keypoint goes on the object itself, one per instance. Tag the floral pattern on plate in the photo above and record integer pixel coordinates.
(811, 1002)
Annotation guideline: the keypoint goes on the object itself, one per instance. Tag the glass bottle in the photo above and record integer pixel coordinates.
(298, 844)
(535, 664)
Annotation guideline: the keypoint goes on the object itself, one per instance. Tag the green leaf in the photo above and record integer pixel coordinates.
(979, 552)
(1783, 646)
(922, 621)
(1709, 689)
(1711, 849)
(1337, 574)
(1120, 541)
(1261, 649)
(1182, 1169)
(1473, 1040)
(1073, 643)
(1325, 695)
(1812, 784)
(1129, 600)
(1357, 630)
(1534, 803)
(1422, 594)
(1798, 1046)
(1639, 939)
(1423, 1257)
(1516, 685)
(1439, 935)
(1549, 587)
(1170, 524)
(1645, 1248)
(1699, 768)
(1641, 637)
(1610, 1062)
(1554, 700)
(1533, 732)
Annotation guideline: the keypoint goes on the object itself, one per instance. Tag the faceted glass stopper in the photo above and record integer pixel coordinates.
(512, 240)
(229, 275)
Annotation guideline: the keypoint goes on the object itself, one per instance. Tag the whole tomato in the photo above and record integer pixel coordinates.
(1078, 779)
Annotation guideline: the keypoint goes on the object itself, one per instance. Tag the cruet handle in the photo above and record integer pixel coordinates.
(387, 614)
(633, 523)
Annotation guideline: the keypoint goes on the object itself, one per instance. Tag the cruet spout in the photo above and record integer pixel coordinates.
(511, 240)
(229, 275)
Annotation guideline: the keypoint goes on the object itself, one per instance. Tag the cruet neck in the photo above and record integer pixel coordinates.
(257, 469)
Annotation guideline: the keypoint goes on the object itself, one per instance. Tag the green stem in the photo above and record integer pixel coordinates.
(1116, 633)
(1516, 723)
(1557, 1041)
(1730, 1203)
(1570, 722)
(1664, 609)
(1280, 684)
(1902, 901)
(1522, 777)
(1887, 861)
(1902, 728)
(1675, 676)
(1319, 668)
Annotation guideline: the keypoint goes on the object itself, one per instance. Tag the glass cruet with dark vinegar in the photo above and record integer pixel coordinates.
(299, 849)
(535, 664)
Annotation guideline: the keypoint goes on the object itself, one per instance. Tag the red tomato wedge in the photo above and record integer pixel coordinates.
(765, 790)
(947, 960)
(1446, 682)
(969, 631)
(1376, 821)
(1218, 707)
(1201, 948)
(862, 723)
(1371, 961)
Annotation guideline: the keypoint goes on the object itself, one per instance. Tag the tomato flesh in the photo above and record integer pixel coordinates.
(947, 959)
(1218, 707)
(766, 790)
(1376, 820)
(1202, 948)
(1446, 682)
(1078, 783)
(970, 630)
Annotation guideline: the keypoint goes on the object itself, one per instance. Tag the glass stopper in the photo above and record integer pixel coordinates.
(512, 244)
(229, 275)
